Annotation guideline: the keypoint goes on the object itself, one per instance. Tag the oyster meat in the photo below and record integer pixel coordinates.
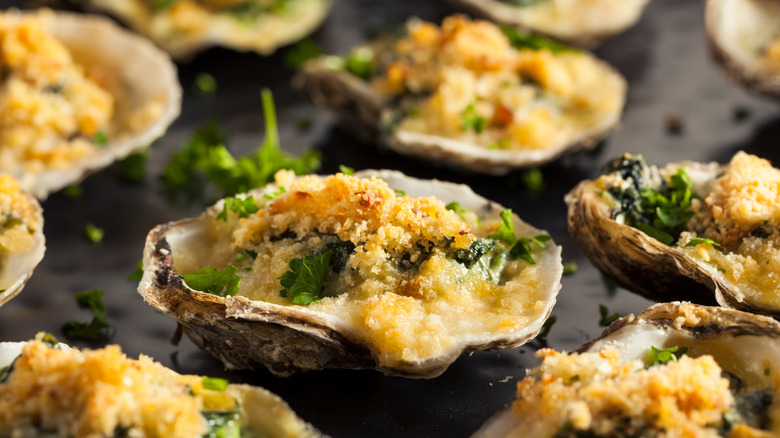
(676, 369)
(745, 39)
(693, 231)
(84, 94)
(184, 27)
(584, 23)
(48, 389)
(353, 272)
(470, 95)
(22, 243)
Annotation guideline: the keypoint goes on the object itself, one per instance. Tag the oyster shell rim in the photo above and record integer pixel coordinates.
(215, 322)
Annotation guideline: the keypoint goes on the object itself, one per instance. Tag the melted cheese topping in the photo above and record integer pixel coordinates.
(51, 109)
(597, 393)
(400, 289)
(95, 393)
(18, 217)
(529, 99)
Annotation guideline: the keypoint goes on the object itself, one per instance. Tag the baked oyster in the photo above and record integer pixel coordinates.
(677, 369)
(78, 93)
(693, 231)
(745, 39)
(471, 95)
(184, 27)
(49, 389)
(22, 243)
(583, 23)
(353, 272)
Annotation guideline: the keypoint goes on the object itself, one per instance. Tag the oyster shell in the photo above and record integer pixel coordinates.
(22, 241)
(141, 79)
(723, 252)
(184, 27)
(581, 23)
(409, 327)
(745, 39)
(260, 411)
(490, 107)
(745, 347)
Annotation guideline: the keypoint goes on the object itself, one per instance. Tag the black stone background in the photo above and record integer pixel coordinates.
(666, 60)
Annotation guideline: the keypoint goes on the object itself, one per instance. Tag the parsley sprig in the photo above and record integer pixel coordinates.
(471, 119)
(303, 282)
(94, 330)
(606, 318)
(663, 355)
(697, 240)
(668, 209)
(523, 40)
(214, 384)
(223, 282)
(241, 206)
(523, 247)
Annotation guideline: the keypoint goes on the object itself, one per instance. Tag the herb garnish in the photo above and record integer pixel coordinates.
(697, 240)
(137, 273)
(214, 383)
(100, 139)
(542, 336)
(93, 233)
(523, 248)
(301, 52)
(461, 212)
(360, 62)
(668, 209)
(92, 299)
(524, 40)
(223, 282)
(570, 268)
(606, 318)
(346, 170)
(664, 355)
(243, 207)
(132, 168)
(205, 84)
(74, 192)
(303, 282)
(505, 231)
(470, 119)
(275, 194)
(533, 180)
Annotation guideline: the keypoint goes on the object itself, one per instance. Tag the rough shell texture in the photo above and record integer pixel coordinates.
(246, 334)
(739, 31)
(703, 329)
(147, 75)
(584, 24)
(17, 268)
(267, 414)
(358, 108)
(262, 36)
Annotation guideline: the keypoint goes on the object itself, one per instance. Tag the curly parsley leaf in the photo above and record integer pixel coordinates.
(697, 240)
(95, 330)
(470, 119)
(570, 268)
(346, 170)
(506, 231)
(663, 355)
(524, 247)
(93, 233)
(606, 318)
(223, 282)
(360, 62)
(243, 207)
(275, 194)
(303, 282)
(524, 40)
(214, 384)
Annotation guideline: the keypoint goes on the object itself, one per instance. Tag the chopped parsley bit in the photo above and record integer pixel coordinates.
(609, 285)
(542, 336)
(223, 283)
(470, 119)
(533, 180)
(92, 299)
(741, 113)
(360, 62)
(523, 40)
(574, 378)
(304, 124)
(668, 210)
(413, 112)
(74, 192)
(503, 144)
(523, 248)
(663, 355)
(697, 240)
(303, 282)
(244, 207)
(159, 5)
(275, 194)
(400, 192)
(214, 383)
(100, 139)
(301, 52)
(138, 273)
(346, 170)
(132, 168)
(506, 231)
(606, 318)
(205, 84)
(205, 156)
(570, 268)
(460, 211)
(93, 233)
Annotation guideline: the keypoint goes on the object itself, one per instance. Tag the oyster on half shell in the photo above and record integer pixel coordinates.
(745, 39)
(86, 94)
(184, 27)
(22, 243)
(470, 95)
(157, 402)
(583, 23)
(637, 225)
(708, 371)
(407, 285)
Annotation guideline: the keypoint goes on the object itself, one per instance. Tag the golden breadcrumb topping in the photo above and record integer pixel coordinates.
(51, 109)
(18, 217)
(485, 91)
(772, 55)
(598, 394)
(95, 393)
